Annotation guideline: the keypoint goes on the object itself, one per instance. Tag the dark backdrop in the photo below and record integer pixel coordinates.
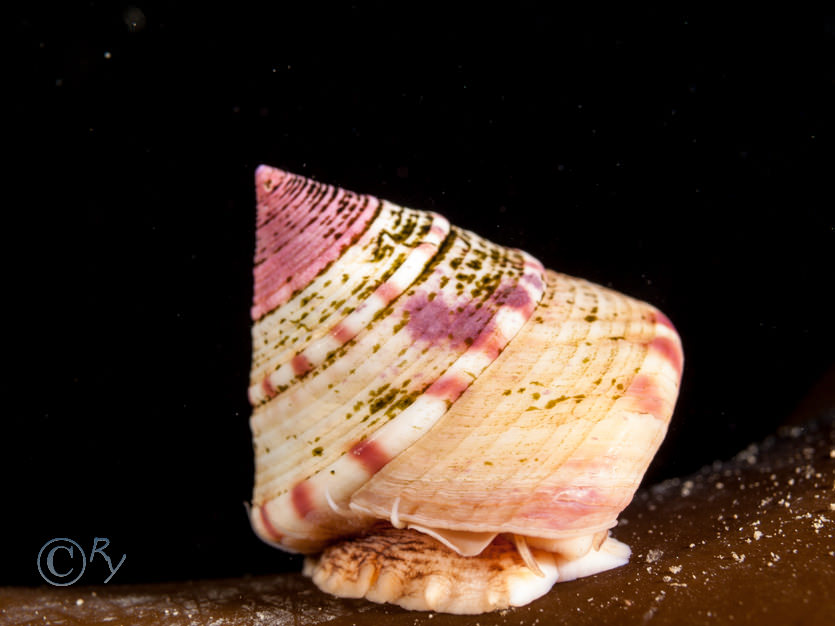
(683, 160)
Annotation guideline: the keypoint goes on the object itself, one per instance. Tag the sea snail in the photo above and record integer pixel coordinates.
(438, 421)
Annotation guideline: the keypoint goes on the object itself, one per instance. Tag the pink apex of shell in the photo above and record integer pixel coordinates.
(266, 179)
(302, 226)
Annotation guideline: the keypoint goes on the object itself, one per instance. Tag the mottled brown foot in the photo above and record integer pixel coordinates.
(415, 571)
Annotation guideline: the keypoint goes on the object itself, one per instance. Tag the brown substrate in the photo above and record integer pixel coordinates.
(748, 541)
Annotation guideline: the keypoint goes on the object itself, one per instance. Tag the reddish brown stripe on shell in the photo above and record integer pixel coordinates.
(449, 387)
(370, 455)
(301, 365)
(660, 318)
(272, 533)
(429, 248)
(669, 350)
(491, 343)
(267, 386)
(302, 499)
(342, 333)
(647, 397)
(388, 292)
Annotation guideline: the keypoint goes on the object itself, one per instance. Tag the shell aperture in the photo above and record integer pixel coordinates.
(411, 376)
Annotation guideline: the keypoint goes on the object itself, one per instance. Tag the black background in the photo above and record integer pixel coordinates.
(680, 159)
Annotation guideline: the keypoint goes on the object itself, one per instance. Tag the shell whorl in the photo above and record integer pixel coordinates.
(408, 370)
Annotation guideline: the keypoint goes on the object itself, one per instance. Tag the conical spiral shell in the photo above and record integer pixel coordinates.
(407, 370)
